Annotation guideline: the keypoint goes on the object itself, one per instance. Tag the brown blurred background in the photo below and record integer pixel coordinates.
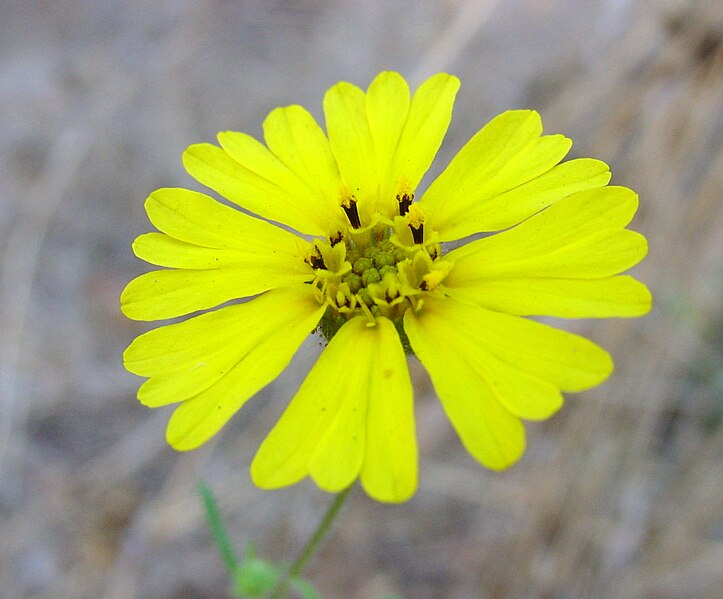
(618, 497)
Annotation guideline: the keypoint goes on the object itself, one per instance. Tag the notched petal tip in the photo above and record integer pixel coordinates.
(330, 485)
(342, 88)
(130, 362)
(604, 367)
(161, 197)
(497, 454)
(506, 461)
(521, 115)
(565, 143)
(182, 442)
(129, 306)
(643, 298)
(388, 78)
(451, 80)
(193, 153)
(293, 110)
(621, 193)
(391, 497)
(648, 302)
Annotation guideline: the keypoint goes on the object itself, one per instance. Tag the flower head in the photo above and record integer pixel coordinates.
(365, 264)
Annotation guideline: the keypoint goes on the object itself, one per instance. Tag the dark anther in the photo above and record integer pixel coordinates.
(417, 233)
(423, 286)
(336, 238)
(316, 261)
(405, 200)
(433, 254)
(351, 212)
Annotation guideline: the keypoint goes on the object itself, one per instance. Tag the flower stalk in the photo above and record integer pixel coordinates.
(312, 545)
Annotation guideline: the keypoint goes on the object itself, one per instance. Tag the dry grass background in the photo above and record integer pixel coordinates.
(618, 497)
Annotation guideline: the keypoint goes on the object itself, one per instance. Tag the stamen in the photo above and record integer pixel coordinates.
(349, 206)
(415, 220)
(334, 239)
(417, 233)
(316, 261)
(432, 280)
(405, 200)
(367, 313)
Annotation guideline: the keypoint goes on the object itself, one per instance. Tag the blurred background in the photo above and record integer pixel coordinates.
(619, 496)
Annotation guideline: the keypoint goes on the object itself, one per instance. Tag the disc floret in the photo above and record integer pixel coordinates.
(377, 271)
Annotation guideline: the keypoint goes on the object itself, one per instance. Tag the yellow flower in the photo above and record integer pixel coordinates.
(366, 267)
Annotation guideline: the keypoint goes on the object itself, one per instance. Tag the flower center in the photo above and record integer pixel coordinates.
(380, 269)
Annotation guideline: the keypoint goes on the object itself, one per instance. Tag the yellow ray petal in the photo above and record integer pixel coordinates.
(293, 135)
(195, 353)
(600, 255)
(175, 346)
(250, 344)
(351, 140)
(620, 296)
(247, 173)
(163, 250)
(506, 209)
(341, 417)
(581, 236)
(464, 381)
(387, 107)
(166, 389)
(568, 361)
(505, 153)
(180, 370)
(429, 115)
(163, 294)
(337, 458)
(199, 219)
(225, 255)
(523, 394)
(389, 471)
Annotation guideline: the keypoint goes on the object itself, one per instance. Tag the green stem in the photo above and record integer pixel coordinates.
(218, 530)
(313, 544)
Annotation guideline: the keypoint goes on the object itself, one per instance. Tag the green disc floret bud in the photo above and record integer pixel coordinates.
(352, 256)
(384, 259)
(354, 281)
(371, 252)
(364, 296)
(362, 265)
(370, 276)
(399, 254)
(388, 269)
